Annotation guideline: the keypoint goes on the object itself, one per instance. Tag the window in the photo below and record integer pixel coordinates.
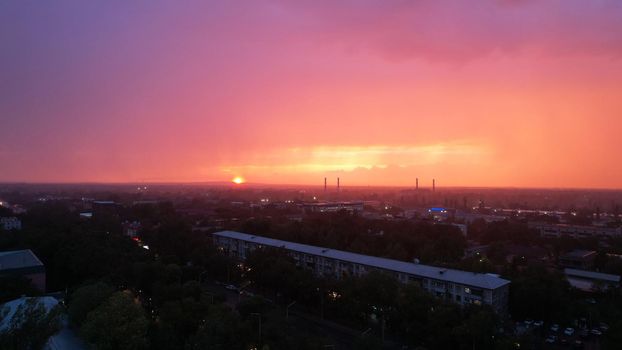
(477, 292)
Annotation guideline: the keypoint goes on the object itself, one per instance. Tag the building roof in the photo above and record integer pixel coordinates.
(9, 308)
(18, 259)
(65, 339)
(332, 204)
(579, 254)
(8, 219)
(104, 202)
(592, 275)
(481, 280)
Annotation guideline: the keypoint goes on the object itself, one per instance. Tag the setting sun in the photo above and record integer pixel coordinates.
(238, 180)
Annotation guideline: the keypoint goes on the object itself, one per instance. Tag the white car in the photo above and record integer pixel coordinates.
(596, 332)
(538, 323)
(569, 331)
(231, 287)
(554, 327)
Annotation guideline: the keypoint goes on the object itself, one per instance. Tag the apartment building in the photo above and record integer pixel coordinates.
(461, 287)
(576, 231)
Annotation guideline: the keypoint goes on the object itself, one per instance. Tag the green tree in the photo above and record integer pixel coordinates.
(540, 294)
(119, 323)
(85, 299)
(221, 330)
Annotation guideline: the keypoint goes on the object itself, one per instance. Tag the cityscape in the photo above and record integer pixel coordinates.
(309, 175)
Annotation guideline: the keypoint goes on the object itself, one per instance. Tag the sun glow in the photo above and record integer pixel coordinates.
(238, 180)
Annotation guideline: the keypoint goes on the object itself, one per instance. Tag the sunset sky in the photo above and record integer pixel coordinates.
(472, 93)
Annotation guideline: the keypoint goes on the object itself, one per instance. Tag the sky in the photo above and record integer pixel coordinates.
(473, 93)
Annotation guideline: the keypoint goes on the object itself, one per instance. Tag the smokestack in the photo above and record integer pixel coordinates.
(416, 183)
(433, 185)
(324, 184)
(337, 184)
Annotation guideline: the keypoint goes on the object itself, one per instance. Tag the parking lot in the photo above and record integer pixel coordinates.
(556, 336)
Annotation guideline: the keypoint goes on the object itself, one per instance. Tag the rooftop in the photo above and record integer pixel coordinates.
(65, 339)
(592, 275)
(481, 280)
(18, 259)
(12, 306)
(579, 254)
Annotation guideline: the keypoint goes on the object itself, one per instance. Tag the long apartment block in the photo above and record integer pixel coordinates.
(461, 287)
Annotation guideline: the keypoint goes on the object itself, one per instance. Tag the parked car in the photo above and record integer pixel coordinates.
(596, 332)
(528, 323)
(538, 323)
(569, 331)
(554, 327)
(603, 326)
(551, 339)
(578, 344)
(231, 287)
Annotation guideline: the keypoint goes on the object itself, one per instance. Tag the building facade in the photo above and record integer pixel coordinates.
(10, 223)
(575, 231)
(591, 281)
(331, 207)
(461, 287)
(23, 263)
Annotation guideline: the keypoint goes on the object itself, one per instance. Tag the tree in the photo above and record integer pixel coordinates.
(478, 329)
(30, 326)
(85, 299)
(613, 337)
(221, 330)
(119, 323)
(539, 294)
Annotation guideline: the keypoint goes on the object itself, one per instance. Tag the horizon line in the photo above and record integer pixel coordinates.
(260, 184)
